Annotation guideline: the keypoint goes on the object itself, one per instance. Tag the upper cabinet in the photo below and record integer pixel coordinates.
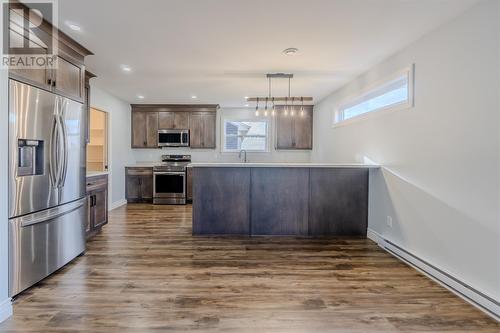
(147, 119)
(144, 129)
(202, 130)
(66, 75)
(294, 131)
(173, 120)
(68, 78)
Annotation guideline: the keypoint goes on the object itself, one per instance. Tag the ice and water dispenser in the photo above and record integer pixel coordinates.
(30, 157)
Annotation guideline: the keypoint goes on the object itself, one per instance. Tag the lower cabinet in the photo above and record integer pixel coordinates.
(97, 193)
(139, 184)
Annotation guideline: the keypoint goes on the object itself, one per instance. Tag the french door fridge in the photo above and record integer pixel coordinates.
(47, 192)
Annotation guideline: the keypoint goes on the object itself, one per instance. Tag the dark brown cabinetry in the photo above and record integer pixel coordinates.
(139, 184)
(202, 130)
(86, 102)
(69, 78)
(147, 119)
(144, 129)
(66, 76)
(97, 193)
(294, 131)
(173, 120)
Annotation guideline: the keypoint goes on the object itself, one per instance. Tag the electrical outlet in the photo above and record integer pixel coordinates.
(389, 221)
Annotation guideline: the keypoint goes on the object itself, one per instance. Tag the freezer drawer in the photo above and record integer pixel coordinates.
(43, 242)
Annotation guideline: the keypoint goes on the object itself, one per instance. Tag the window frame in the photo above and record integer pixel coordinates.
(352, 100)
(237, 119)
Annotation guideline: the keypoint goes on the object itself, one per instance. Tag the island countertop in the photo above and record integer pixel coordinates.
(283, 165)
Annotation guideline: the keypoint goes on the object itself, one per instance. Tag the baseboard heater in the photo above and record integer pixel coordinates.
(463, 290)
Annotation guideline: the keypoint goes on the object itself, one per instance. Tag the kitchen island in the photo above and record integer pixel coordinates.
(280, 199)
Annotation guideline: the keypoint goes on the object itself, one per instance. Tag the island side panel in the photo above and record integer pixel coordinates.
(279, 201)
(221, 201)
(339, 202)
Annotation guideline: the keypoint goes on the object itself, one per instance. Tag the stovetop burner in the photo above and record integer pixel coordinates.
(173, 163)
(176, 158)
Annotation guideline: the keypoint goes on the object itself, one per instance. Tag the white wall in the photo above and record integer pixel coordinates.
(119, 139)
(215, 155)
(441, 175)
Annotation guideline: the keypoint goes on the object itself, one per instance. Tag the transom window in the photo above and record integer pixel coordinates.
(247, 135)
(394, 93)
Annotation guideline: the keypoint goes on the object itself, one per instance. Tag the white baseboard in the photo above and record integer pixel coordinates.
(5, 309)
(117, 204)
(478, 299)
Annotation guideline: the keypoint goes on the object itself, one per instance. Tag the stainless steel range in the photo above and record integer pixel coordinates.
(169, 180)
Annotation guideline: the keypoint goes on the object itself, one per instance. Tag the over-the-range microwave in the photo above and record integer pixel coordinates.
(173, 138)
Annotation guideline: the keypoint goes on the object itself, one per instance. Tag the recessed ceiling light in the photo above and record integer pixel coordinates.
(194, 97)
(73, 26)
(246, 97)
(126, 68)
(290, 51)
(140, 96)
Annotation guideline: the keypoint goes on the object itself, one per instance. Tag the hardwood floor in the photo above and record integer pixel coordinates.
(146, 273)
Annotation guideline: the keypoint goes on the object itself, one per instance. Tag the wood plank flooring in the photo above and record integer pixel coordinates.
(146, 273)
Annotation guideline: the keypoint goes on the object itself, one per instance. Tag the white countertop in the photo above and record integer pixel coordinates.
(284, 165)
(96, 173)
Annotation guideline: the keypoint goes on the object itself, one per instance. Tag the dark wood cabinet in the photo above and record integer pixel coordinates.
(202, 130)
(173, 120)
(66, 77)
(144, 129)
(97, 194)
(200, 119)
(69, 78)
(294, 131)
(86, 103)
(139, 184)
(36, 77)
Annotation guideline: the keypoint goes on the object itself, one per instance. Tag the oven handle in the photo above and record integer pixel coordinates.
(173, 173)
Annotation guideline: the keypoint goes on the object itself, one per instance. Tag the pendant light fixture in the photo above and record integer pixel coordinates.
(289, 109)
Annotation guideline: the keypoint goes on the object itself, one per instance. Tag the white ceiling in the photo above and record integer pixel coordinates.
(220, 50)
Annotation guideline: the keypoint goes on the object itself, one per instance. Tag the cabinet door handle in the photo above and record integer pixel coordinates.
(49, 82)
(53, 83)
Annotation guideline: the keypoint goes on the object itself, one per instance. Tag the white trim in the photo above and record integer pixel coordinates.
(5, 309)
(350, 100)
(479, 300)
(117, 204)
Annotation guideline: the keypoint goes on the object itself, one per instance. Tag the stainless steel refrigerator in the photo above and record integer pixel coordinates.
(47, 194)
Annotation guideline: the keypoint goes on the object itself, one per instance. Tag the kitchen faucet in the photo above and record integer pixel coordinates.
(244, 153)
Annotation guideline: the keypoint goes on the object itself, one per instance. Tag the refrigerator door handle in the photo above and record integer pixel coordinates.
(60, 151)
(53, 165)
(27, 220)
(64, 136)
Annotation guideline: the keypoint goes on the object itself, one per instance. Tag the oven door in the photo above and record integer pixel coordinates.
(169, 187)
